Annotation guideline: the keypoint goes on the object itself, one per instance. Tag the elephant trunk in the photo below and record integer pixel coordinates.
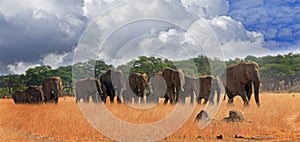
(256, 92)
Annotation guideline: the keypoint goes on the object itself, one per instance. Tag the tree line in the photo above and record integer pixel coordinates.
(278, 73)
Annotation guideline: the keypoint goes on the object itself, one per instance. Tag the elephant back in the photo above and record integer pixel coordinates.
(19, 97)
(88, 87)
(34, 94)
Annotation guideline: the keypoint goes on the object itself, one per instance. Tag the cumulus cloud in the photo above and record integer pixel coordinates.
(94, 8)
(10, 8)
(207, 8)
(49, 32)
(20, 67)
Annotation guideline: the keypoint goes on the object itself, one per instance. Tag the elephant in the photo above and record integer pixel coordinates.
(209, 86)
(20, 97)
(158, 88)
(190, 87)
(32, 95)
(52, 89)
(87, 88)
(112, 83)
(175, 82)
(238, 80)
(35, 94)
(136, 86)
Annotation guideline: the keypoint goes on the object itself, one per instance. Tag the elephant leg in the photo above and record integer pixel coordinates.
(230, 101)
(88, 98)
(118, 93)
(245, 99)
(166, 100)
(95, 98)
(129, 99)
(218, 96)
(224, 98)
(152, 98)
(211, 97)
(77, 100)
(45, 99)
(119, 100)
(142, 99)
(104, 99)
(136, 99)
(182, 99)
(126, 98)
(111, 98)
(56, 100)
(176, 95)
(192, 98)
(166, 97)
(199, 100)
(205, 100)
(173, 97)
(248, 89)
(243, 95)
(230, 98)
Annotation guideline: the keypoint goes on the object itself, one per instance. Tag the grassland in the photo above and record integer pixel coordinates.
(277, 119)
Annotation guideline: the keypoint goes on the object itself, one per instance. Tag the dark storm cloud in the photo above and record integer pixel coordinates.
(31, 34)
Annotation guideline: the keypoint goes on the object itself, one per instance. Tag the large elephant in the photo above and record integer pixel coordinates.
(32, 95)
(87, 88)
(175, 82)
(20, 97)
(238, 80)
(158, 87)
(190, 87)
(137, 84)
(209, 86)
(112, 83)
(52, 89)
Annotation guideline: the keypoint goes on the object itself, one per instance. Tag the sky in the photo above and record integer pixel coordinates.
(63, 32)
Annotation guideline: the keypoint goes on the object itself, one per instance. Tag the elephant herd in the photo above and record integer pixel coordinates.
(49, 92)
(172, 86)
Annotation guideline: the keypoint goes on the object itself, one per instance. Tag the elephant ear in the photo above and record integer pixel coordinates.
(145, 76)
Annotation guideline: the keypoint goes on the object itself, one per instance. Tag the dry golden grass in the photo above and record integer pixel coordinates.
(277, 119)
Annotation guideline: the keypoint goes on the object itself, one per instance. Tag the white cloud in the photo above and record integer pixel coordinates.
(54, 60)
(214, 34)
(207, 8)
(20, 67)
(10, 8)
(94, 8)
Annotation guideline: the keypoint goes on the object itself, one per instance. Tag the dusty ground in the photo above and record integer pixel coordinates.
(277, 119)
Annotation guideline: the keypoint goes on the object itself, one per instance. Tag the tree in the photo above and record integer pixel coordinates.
(35, 76)
(148, 65)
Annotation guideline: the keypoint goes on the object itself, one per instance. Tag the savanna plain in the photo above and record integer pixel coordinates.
(277, 119)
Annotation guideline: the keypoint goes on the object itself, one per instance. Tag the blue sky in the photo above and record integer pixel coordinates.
(277, 20)
(43, 32)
